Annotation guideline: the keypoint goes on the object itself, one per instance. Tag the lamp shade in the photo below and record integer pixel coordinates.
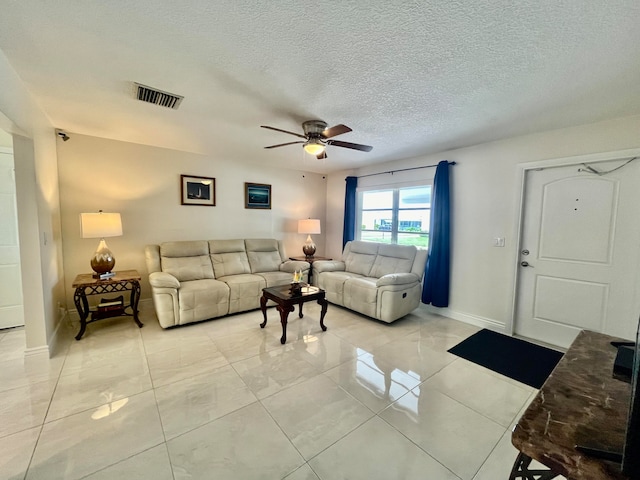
(309, 225)
(100, 225)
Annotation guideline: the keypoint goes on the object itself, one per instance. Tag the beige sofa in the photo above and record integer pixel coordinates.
(379, 280)
(198, 280)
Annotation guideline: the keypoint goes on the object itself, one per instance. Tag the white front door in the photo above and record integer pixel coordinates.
(11, 311)
(580, 251)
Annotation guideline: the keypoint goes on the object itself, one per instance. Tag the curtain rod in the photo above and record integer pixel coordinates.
(402, 170)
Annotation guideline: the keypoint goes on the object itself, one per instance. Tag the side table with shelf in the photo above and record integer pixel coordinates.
(123, 281)
(310, 260)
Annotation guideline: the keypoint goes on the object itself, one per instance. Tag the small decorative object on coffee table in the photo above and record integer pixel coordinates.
(286, 299)
(296, 289)
(296, 285)
(122, 281)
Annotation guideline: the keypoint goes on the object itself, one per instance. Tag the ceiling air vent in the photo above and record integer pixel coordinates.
(157, 97)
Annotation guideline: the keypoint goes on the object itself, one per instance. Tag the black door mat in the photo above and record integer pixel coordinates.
(514, 358)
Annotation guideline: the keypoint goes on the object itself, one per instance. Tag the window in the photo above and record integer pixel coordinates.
(395, 215)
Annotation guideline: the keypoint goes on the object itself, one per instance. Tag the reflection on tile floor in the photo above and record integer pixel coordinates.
(223, 399)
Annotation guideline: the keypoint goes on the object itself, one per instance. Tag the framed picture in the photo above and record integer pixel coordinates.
(198, 190)
(257, 195)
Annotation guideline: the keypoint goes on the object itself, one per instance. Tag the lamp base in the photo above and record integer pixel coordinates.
(103, 260)
(309, 248)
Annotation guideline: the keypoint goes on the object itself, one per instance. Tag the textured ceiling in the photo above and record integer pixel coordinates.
(409, 77)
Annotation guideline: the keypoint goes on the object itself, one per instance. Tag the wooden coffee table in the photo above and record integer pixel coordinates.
(286, 302)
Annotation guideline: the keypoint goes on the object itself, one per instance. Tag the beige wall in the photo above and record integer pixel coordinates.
(143, 184)
(6, 140)
(38, 208)
(486, 191)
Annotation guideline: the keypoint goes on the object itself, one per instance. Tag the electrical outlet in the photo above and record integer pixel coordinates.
(498, 242)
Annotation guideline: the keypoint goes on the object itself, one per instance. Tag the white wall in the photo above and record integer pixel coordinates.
(485, 205)
(142, 183)
(38, 208)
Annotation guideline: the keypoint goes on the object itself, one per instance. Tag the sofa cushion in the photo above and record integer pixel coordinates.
(186, 260)
(244, 291)
(333, 284)
(202, 299)
(361, 294)
(273, 279)
(359, 257)
(393, 259)
(228, 257)
(263, 255)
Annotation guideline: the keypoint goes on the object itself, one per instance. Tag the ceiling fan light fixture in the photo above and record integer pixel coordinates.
(314, 146)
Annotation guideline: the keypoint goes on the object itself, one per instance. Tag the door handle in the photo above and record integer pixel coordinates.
(525, 264)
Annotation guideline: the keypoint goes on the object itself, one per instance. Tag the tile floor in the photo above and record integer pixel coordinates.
(223, 399)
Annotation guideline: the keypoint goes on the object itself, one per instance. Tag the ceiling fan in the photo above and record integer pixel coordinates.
(317, 136)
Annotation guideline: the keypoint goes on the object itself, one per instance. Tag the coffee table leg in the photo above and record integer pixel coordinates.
(284, 313)
(323, 303)
(300, 315)
(263, 307)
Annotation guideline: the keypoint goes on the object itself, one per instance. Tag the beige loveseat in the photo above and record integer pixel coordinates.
(377, 279)
(198, 280)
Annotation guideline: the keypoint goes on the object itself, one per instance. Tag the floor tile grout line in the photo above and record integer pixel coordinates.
(418, 446)
(121, 460)
(44, 418)
(475, 411)
(318, 368)
(287, 437)
(465, 405)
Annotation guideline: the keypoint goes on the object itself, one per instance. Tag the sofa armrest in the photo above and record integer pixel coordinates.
(320, 266)
(163, 280)
(291, 266)
(397, 279)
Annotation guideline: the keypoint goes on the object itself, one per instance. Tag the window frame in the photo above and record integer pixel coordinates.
(395, 209)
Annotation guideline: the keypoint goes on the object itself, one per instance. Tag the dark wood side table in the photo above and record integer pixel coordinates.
(580, 403)
(286, 302)
(123, 281)
(310, 260)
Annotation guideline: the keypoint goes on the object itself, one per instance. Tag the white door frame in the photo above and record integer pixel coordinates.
(521, 175)
(9, 151)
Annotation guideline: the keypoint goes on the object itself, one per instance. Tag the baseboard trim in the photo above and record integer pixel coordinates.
(38, 351)
(476, 320)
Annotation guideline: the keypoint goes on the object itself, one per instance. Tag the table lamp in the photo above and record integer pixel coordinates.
(101, 225)
(309, 226)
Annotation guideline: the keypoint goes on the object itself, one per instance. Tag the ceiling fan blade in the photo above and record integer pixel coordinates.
(354, 146)
(335, 131)
(282, 144)
(284, 131)
(322, 156)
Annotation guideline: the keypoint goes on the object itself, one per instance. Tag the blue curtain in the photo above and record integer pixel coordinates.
(435, 289)
(349, 228)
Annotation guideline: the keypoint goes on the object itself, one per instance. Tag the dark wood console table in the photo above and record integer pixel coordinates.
(580, 403)
(123, 281)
